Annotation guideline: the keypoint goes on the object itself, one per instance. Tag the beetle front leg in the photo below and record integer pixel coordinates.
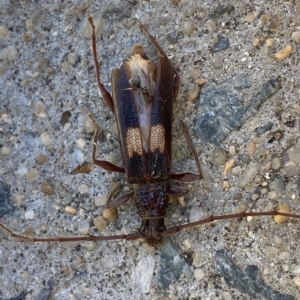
(105, 94)
(102, 163)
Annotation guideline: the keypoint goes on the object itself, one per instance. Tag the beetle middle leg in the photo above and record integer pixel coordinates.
(101, 163)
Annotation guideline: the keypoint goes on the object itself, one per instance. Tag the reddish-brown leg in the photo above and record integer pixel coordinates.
(105, 94)
(106, 165)
(189, 177)
(135, 236)
(175, 229)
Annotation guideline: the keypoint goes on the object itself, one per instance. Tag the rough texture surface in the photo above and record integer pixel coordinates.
(248, 106)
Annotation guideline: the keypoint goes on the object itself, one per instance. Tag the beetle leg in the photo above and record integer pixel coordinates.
(89, 237)
(176, 191)
(189, 177)
(105, 94)
(120, 200)
(102, 163)
(212, 218)
(161, 52)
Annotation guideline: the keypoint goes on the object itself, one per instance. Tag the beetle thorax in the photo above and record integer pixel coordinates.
(152, 202)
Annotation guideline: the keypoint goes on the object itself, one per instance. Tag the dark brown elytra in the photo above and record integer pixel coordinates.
(142, 102)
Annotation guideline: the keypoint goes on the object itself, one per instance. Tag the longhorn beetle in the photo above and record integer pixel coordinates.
(142, 102)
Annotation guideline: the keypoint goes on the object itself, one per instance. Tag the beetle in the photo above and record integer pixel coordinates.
(142, 102)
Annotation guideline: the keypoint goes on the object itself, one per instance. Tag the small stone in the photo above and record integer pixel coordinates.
(33, 175)
(271, 252)
(249, 18)
(3, 32)
(219, 157)
(269, 42)
(217, 62)
(284, 208)
(231, 150)
(100, 223)
(22, 171)
(3, 68)
(200, 81)
(187, 244)
(84, 5)
(276, 185)
(110, 214)
(43, 65)
(100, 200)
(297, 281)
(291, 168)
(282, 54)
(66, 67)
(199, 259)
(81, 143)
(41, 159)
(221, 44)
(20, 199)
(90, 245)
(6, 150)
(272, 195)
(256, 42)
(84, 227)
(296, 36)
(142, 274)
(70, 210)
(236, 170)
(25, 275)
(11, 53)
(192, 95)
(249, 218)
(225, 185)
(72, 58)
(196, 214)
(27, 37)
(229, 165)
(189, 7)
(264, 191)
(29, 215)
(187, 27)
(248, 175)
(48, 187)
(276, 163)
(226, 296)
(198, 274)
(46, 138)
(65, 117)
(83, 189)
(251, 147)
(29, 24)
(237, 196)
(36, 76)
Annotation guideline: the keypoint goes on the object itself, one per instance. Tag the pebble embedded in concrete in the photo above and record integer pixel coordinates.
(142, 274)
(100, 223)
(199, 274)
(29, 215)
(83, 227)
(248, 175)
